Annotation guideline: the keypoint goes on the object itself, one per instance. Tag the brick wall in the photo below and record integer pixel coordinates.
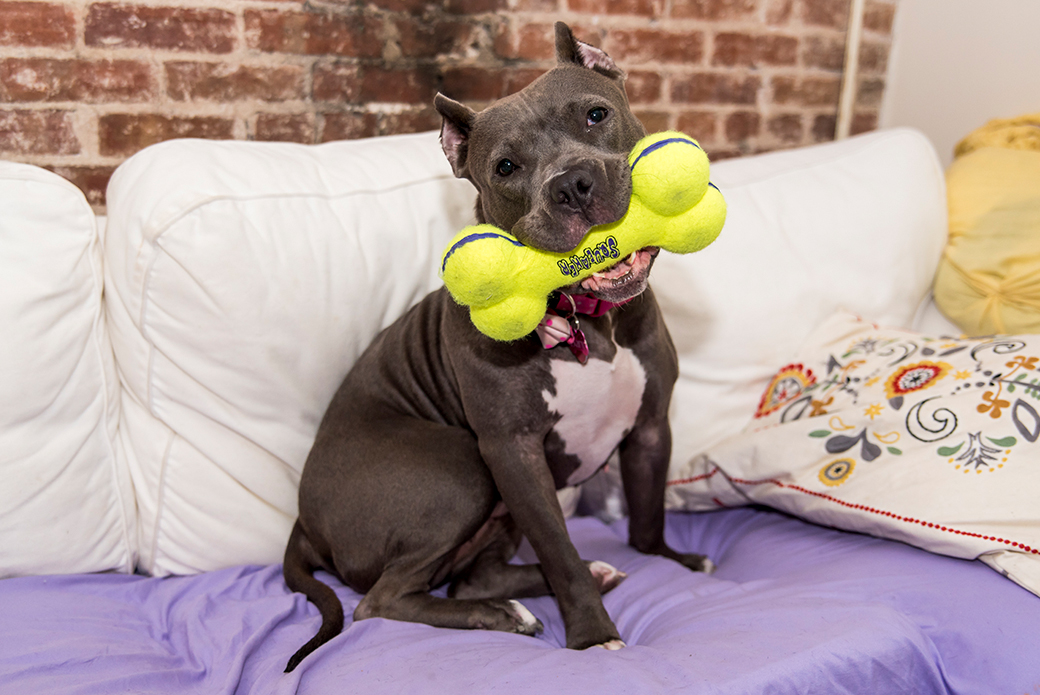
(84, 83)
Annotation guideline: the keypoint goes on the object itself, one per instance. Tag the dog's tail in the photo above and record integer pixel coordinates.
(298, 569)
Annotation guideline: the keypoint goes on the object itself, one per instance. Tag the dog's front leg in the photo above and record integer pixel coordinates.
(645, 453)
(523, 479)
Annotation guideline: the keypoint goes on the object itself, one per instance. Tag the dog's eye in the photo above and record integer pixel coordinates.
(505, 168)
(595, 115)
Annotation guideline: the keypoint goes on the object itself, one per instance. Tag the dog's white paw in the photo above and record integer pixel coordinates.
(606, 575)
(613, 645)
(528, 625)
(707, 566)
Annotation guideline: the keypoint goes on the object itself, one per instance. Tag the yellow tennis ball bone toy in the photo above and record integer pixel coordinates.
(506, 284)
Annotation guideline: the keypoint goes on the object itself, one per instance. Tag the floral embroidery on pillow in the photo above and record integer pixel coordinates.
(788, 384)
(915, 377)
(913, 389)
(837, 472)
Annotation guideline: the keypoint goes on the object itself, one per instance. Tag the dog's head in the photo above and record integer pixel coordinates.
(551, 161)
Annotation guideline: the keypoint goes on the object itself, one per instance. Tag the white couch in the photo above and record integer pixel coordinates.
(163, 372)
(163, 375)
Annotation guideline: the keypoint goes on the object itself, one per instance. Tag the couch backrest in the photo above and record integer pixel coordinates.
(243, 281)
(66, 502)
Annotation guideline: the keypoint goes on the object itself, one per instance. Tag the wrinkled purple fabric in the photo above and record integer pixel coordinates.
(792, 608)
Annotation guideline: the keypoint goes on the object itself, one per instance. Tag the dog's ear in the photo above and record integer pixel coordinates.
(570, 50)
(455, 127)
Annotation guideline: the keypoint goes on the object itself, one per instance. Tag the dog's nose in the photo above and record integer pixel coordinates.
(573, 189)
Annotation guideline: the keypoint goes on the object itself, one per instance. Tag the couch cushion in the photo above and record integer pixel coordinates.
(858, 224)
(243, 281)
(66, 504)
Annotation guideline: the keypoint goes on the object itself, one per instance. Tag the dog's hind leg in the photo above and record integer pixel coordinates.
(490, 575)
(298, 569)
(401, 595)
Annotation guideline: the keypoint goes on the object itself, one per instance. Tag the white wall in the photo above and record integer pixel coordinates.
(956, 64)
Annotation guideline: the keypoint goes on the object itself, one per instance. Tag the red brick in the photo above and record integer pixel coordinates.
(410, 86)
(811, 91)
(169, 28)
(187, 81)
(824, 53)
(409, 6)
(879, 17)
(870, 92)
(422, 38)
(36, 24)
(714, 9)
(309, 33)
(745, 50)
(519, 78)
(410, 121)
(873, 58)
(642, 8)
(715, 88)
(37, 132)
(474, 6)
(124, 134)
(742, 125)
(699, 125)
(654, 121)
(643, 86)
(786, 127)
(336, 82)
(475, 83)
(640, 45)
(863, 122)
(823, 127)
(285, 127)
(825, 13)
(527, 42)
(734, 49)
(772, 49)
(93, 181)
(47, 79)
(348, 125)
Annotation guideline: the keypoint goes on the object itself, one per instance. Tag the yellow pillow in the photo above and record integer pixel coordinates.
(989, 278)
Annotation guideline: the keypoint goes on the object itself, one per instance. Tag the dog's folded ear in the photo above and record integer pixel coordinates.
(570, 50)
(455, 129)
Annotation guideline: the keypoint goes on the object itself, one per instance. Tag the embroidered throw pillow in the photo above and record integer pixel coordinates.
(929, 440)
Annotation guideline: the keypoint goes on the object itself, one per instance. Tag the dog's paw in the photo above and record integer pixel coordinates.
(526, 623)
(606, 575)
(613, 645)
(697, 563)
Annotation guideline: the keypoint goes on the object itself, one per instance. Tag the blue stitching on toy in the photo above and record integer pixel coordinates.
(474, 237)
(658, 145)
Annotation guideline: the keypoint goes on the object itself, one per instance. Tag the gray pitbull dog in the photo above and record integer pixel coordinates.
(443, 447)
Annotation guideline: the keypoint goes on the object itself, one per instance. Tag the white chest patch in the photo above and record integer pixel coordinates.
(597, 404)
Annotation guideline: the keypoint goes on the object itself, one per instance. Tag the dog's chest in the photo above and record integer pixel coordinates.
(597, 404)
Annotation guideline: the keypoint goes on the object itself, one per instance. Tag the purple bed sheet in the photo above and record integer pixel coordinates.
(792, 608)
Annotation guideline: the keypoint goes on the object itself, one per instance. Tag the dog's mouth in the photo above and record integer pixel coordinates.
(623, 280)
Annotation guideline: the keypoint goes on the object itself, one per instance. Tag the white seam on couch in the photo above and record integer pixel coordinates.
(160, 498)
(99, 320)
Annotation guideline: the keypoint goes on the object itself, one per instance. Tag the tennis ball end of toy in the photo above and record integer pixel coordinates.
(477, 263)
(669, 172)
(510, 319)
